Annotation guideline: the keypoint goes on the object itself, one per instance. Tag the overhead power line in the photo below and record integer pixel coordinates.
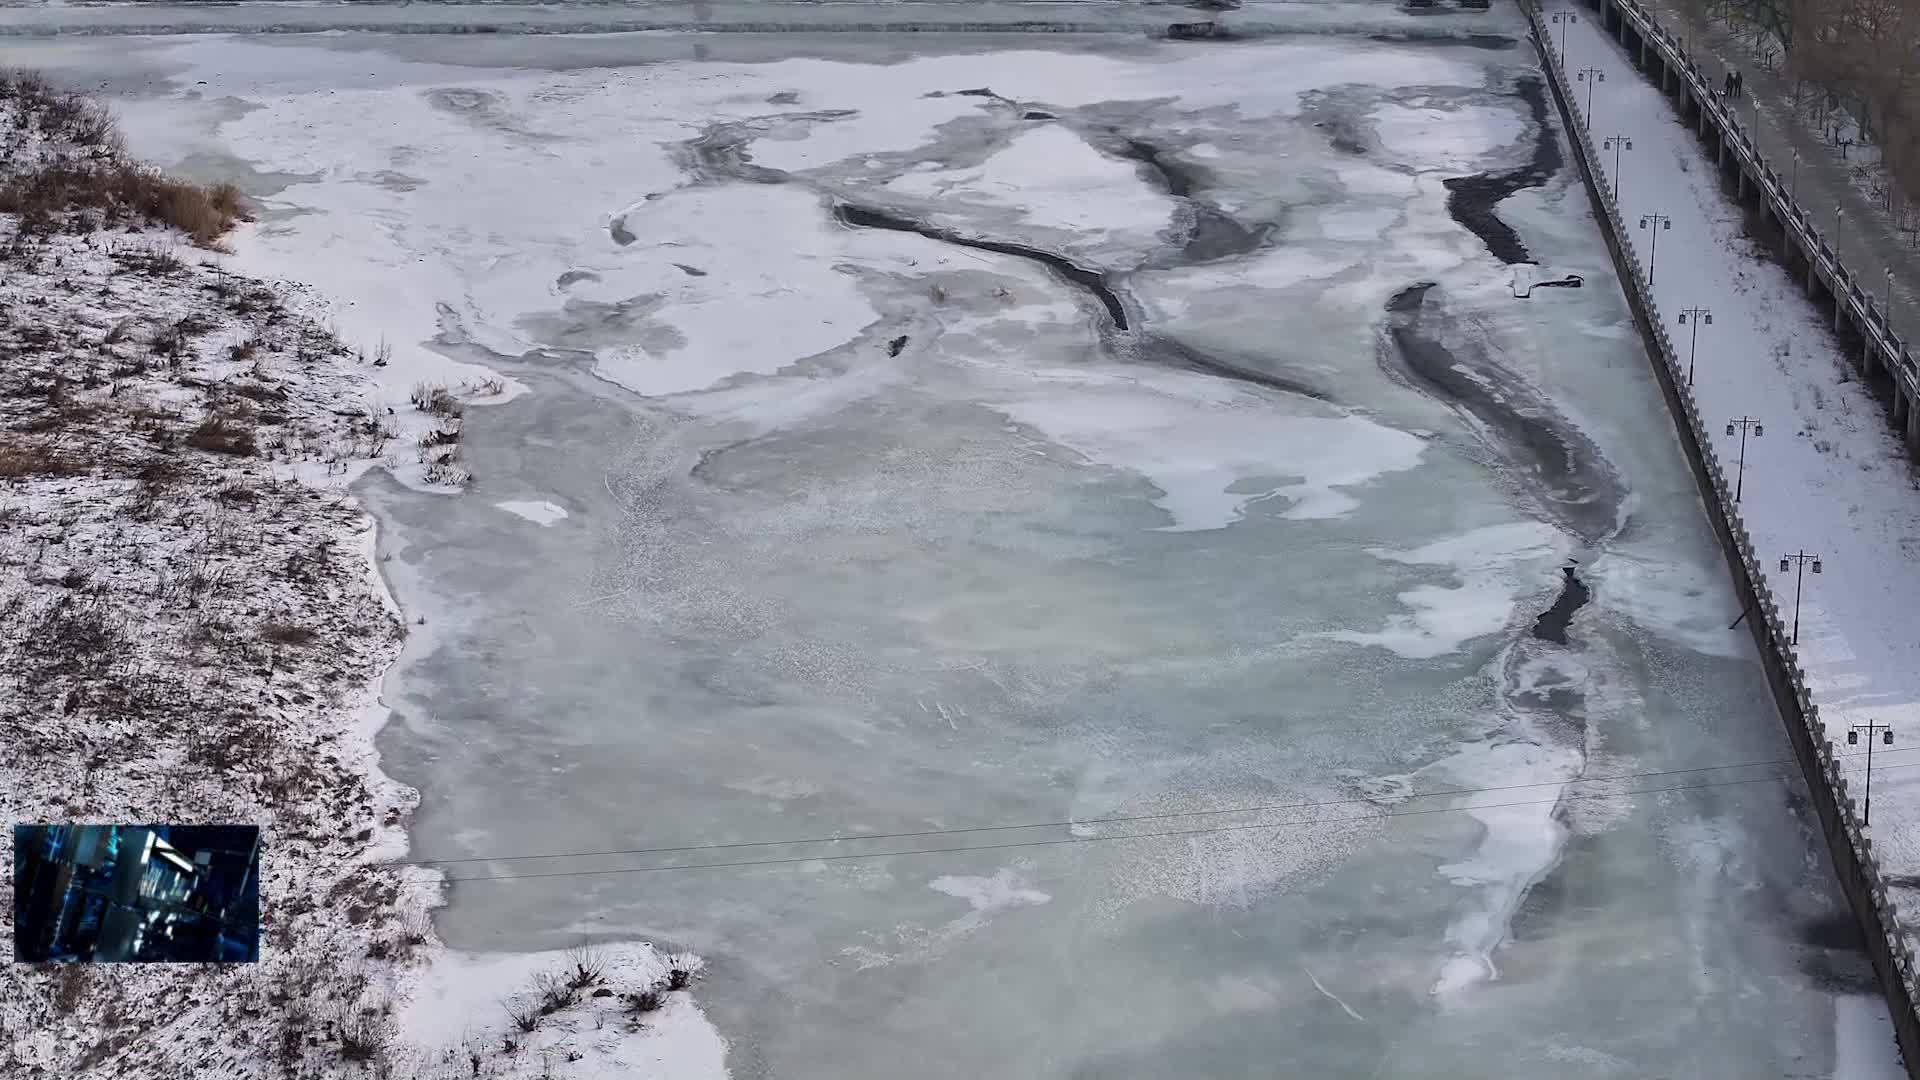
(1161, 834)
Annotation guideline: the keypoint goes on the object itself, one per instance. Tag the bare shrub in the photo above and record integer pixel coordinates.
(436, 399)
(682, 969)
(556, 992)
(222, 435)
(69, 987)
(360, 1038)
(285, 634)
(646, 1001)
(525, 1017)
(589, 965)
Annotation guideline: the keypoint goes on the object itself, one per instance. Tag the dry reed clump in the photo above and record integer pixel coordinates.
(121, 190)
(89, 172)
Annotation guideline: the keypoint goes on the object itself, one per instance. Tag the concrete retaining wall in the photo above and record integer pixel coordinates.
(1847, 842)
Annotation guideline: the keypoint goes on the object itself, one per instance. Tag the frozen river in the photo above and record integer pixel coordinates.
(955, 438)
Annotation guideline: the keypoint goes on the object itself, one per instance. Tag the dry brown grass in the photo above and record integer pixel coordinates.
(22, 459)
(223, 435)
(100, 179)
(121, 190)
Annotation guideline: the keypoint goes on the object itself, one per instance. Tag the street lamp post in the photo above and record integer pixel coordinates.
(1794, 186)
(1590, 76)
(1853, 739)
(1616, 143)
(1886, 313)
(1660, 222)
(1563, 18)
(1799, 560)
(1698, 315)
(1745, 424)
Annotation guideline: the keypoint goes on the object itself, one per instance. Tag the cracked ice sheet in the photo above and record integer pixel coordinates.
(1492, 565)
(390, 220)
(1053, 180)
(1213, 448)
(1452, 141)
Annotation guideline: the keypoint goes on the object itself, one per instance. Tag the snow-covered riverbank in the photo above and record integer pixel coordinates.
(195, 631)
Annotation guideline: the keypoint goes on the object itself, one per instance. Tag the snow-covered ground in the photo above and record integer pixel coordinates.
(1829, 477)
(889, 529)
(195, 631)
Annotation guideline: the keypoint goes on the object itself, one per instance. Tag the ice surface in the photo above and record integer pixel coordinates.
(1491, 566)
(1052, 179)
(925, 546)
(540, 512)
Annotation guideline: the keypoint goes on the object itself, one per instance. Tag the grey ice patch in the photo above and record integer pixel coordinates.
(784, 97)
(1443, 355)
(488, 110)
(587, 325)
(724, 150)
(572, 277)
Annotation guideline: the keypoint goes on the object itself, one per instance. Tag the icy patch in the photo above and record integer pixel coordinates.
(1212, 448)
(540, 513)
(1520, 843)
(1862, 1049)
(987, 895)
(1488, 564)
(1446, 140)
(1055, 181)
(1688, 604)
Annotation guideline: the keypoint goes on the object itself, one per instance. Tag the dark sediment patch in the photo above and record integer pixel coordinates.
(1559, 463)
(617, 228)
(1473, 41)
(1214, 234)
(1178, 180)
(1037, 114)
(1552, 623)
(1473, 200)
(1342, 137)
(1166, 352)
(690, 271)
(574, 276)
(894, 346)
(1092, 281)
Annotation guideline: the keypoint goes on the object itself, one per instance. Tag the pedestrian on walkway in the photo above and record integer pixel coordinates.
(1726, 86)
(1739, 85)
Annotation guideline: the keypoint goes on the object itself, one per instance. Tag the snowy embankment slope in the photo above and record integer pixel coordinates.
(1828, 477)
(192, 630)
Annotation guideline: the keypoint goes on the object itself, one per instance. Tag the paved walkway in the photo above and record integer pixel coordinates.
(1867, 239)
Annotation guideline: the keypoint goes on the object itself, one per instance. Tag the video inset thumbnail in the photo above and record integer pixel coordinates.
(136, 893)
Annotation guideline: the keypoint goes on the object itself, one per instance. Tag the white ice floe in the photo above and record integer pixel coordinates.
(1492, 566)
(1452, 140)
(1052, 179)
(1210, 447)
(990, 894)
(540, 512)
(1861, 1048)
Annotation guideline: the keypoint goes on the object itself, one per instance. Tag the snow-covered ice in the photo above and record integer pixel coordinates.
(538, 511)
(895, 534)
